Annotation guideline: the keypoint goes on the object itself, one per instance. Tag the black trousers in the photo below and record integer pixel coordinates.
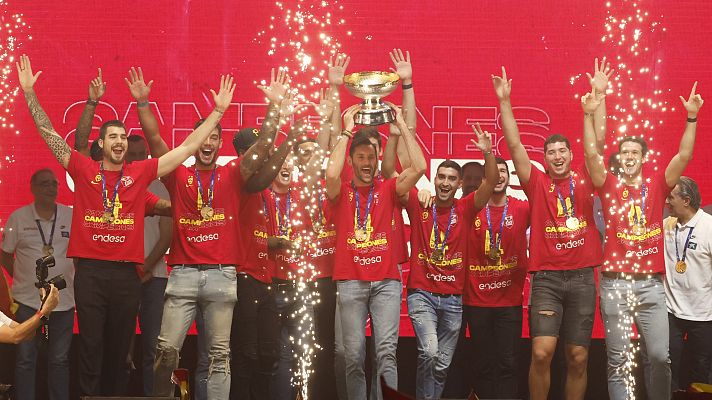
(107, 295)
(254, 341)
(698, 346)
(495, 334)
(324, 313)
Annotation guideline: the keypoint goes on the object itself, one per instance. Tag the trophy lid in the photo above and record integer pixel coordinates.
(371, 84)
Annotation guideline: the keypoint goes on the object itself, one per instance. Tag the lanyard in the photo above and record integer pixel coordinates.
(496, 242)
(51, 235)
(564, 208)
(436, 232)
(109, 206)
(361, 224)
(211, 192)
(283, 222)
(643, 196)
(687, 242)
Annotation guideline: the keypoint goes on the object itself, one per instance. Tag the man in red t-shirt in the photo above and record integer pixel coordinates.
(564, 249)
(365, 269)
(438, 239)
(107, 226)
(497, 264)
(634, 262)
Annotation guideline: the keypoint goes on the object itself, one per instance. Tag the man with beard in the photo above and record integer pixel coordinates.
(203, 254)
(365, 271)
(107, 229)
(634, 263)
(472, 174)
(564, 249)
(437, 266)
(496, 271)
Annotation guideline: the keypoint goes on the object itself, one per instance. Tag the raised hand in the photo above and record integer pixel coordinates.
(399, 113)
(402, 64)
(24, 73)
(137, 86)
(223, 97)
(693, 103)
(484, 139)
(590, 101)
(337, 67)
(502, 86)
(601, 74)
(97, 88)
(290, 106)
(425, 198)
(349, 117)
(278, 86)
(327, 104)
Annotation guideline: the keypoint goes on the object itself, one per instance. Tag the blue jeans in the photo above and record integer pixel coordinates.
(60, 341)
(436, 321)
(201, 369)
(382, 300)
(150, 313)
(292, 311)
(650, 315)
(213, 290)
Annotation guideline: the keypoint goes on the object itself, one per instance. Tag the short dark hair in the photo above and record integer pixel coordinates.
(614, 164)
(361, 140)
(557, 138)
(499, 160)
(450, 164)
(370, 132)
(472, 164)
(202, 120)
(136, 138)
(33, 178)
(295, 148)
(106, 125)
(635, 139)
(689, 189)
(95, 151)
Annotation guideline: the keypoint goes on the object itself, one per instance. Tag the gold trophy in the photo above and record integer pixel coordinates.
(371, 86)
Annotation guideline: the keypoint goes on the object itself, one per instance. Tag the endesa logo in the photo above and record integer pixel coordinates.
(571, 244)
(495, 285)
(367, 260)
(319, 252)
(642, 252)
(203, 238)
(109, 238)
(440, 277)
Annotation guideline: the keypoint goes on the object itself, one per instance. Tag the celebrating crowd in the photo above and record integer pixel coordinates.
(272, 243)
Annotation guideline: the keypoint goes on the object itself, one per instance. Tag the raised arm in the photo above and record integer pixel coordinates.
(687, 144)
(337, 69)
(263, 177)
(409, 177)
(97, 88)
(338, 154)
(17, 333)
(404, 69)
(326, 109)
(275, 92)
(56, 143)
(484, 143)
(599, 82)
(522, 164)
(171, 160)
(149, 124)
(591, 102)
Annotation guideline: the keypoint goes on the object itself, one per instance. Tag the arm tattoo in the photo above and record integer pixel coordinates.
(56, 144)
(81, 135)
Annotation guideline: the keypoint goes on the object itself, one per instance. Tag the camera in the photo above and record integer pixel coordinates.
(42, 271)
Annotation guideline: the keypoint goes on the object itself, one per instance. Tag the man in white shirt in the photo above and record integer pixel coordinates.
(688, 282)
(32, 232)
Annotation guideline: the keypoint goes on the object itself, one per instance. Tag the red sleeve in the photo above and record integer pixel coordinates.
(78, 162)
(413, 205)
(151, 200)
(534, 176)
(468, 204)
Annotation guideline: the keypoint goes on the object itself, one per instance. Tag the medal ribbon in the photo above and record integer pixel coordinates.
(496, 243)
(109, 206)
(51, 235)
(359, 223)
(283, 223)
(436, 233)
(687, 242)
(571, 196)
(643, 196)
(211, 192)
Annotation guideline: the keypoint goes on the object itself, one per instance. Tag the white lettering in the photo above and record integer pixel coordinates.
(440, 277)
(495, 285)
(109, 238)
(641, 253)
(571, 244)
(203, 238)
(367, 260)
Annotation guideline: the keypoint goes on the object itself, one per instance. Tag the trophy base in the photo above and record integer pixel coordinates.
(377, 116)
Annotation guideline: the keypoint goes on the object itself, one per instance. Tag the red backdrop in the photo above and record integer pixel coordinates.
(185, 45)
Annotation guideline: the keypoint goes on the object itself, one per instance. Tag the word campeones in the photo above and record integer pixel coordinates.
(200, 221)
(116, 221)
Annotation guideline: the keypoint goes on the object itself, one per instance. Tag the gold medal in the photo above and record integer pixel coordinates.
(108, 217)
(361, 235)
(207, 212)
(638, 230)
(572, 223)
(48, 250)
(494, 254)
(680, 267)
(437, 255)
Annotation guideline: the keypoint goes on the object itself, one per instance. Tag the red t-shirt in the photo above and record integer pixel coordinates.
(323, 249)
(375, 258)
(448, 275)
(626, 250)
(286, 263)
(498, 283)
(553, 246)
(197, 240)
(254, 231)
(93, 237)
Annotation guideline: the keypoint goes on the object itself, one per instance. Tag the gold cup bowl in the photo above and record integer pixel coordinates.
(371, 86)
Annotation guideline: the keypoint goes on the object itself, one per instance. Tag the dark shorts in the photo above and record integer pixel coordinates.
(571, 296)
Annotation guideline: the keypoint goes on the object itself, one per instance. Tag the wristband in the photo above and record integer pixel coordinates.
(142, 103)
(42, 316)
(588, 114)
(691, 120)
(92, 102)
(407, 86)
(347, 133)
(218, 111)
(487, 152)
